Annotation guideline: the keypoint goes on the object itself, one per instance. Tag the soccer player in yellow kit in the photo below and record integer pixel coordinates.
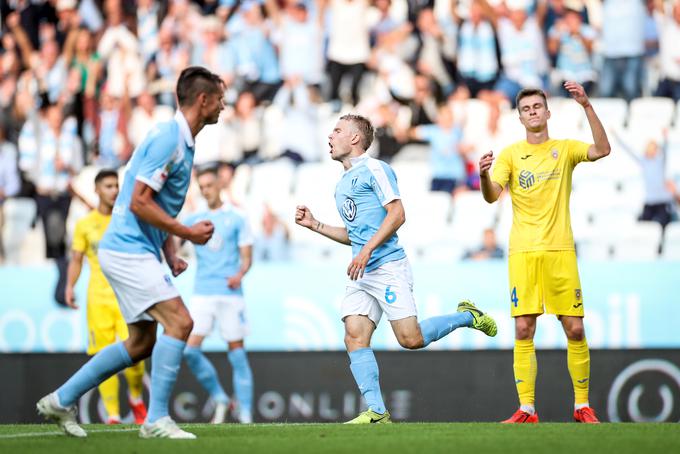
(542, 259)
(104, 320)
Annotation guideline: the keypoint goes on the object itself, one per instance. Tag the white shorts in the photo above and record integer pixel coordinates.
(138, 280)
(388, 289)
(229, 311)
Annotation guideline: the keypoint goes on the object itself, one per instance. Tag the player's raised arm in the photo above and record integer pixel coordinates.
(145, 207)
(304, 217)
(601, 148)
(394, 219)
(490, 189)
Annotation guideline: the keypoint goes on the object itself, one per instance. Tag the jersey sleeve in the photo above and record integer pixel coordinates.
(502, 168)
(383, 181)
(79, 237)
(578, 151)
(158, 157)
(245, 234)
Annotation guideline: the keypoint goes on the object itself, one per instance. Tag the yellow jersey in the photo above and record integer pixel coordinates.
(89, 231)
(539, 181)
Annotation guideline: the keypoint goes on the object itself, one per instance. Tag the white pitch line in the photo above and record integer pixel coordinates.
(52, 434)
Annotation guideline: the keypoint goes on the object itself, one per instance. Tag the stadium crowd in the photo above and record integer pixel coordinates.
(82, 82)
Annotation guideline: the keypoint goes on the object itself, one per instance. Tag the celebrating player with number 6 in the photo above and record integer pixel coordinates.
(380, 279)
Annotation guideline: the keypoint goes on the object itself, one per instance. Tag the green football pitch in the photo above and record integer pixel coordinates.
(423, 438)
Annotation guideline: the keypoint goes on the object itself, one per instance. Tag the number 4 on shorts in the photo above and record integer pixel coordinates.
(513, 296)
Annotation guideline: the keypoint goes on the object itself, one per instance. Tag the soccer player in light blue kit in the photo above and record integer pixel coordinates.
(143, 223)
(218, 298)
(380, 279)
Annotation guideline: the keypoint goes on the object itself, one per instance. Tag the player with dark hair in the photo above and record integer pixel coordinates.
(542, 259)
(144, 224)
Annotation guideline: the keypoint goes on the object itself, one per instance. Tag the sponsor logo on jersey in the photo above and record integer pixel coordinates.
(349, 209)
(526, 179)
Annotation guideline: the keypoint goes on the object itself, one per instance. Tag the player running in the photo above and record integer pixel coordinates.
(143, 223)
(104, 321)
(380, 279)
(218, 298)
(542, 260)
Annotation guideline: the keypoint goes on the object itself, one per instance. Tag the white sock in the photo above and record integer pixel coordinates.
(580, 406)
(528, 409)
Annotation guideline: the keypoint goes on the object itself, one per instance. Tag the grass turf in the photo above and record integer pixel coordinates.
(418, 438)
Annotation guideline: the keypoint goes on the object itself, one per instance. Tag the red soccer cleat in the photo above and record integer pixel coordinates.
(138, 410)
(112, 421)
(520, 417)
(586, 415)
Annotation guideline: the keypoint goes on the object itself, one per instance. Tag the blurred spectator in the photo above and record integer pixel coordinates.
(211, 51)
(623, 48)
(571, 42)
(299, 105)
(247, 126)
(165, 65)
(523, 54)
(145, 115)
(348, 45)
(383, 20)
(488, 250)
(437, 50)
(50, 154)
(255, 60)
(477, 63)
(10, 183)
(299, 38)
(447, 160)
(658, 198)
(110, 124)
(668, 20)
(272, 243)
(147, 28)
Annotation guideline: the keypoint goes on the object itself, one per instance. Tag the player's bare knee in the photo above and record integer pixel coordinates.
(411, 342)
(184, 327)
(576, 333)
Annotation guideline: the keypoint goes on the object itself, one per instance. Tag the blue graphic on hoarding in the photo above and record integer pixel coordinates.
(297, 307)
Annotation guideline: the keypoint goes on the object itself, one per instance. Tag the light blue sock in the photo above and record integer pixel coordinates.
(435, 328)
(166, 359)
(243, 379)
(108, 361)
(365, 371)
(205, 373)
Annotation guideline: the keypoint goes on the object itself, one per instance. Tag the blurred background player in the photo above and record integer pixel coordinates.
(218, 298)
(143, 223)
(104, 321)
(368, 200)
(542, 259)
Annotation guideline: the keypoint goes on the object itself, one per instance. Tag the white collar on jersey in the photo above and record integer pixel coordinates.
(359, 159)
(184, 127)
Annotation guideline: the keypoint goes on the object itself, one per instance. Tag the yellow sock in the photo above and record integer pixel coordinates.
(525, 371)
(108, 390)
(134, 376)
(578, 362)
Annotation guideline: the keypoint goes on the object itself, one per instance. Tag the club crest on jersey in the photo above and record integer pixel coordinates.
(215, 243)
(554, 153)
(526, 179)
(577, 293)
(349, 209)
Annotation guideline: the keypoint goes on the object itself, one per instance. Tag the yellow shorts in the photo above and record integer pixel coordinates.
(545, 281)
(105, 325)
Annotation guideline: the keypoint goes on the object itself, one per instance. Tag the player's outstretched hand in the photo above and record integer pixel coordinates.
(485, 163)
(234, 282)
(577, 92)
(70, 297)
(304, 217)
(177, 266)
(356, 268)
(201, 232)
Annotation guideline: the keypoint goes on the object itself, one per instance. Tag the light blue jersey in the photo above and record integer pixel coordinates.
(360, 196)
(220, 257)
(162, 161)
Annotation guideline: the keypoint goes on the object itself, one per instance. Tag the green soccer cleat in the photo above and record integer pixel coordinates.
(480, 321)
(371, 417)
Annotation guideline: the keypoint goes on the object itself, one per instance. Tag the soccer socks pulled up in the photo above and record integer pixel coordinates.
(108, 390)
(134, 376)
(242, 379)
(435, 328)
(205, 373)
(364, 368)
(166, 359)
(525, 368)
(578, 363)
(105, 363)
